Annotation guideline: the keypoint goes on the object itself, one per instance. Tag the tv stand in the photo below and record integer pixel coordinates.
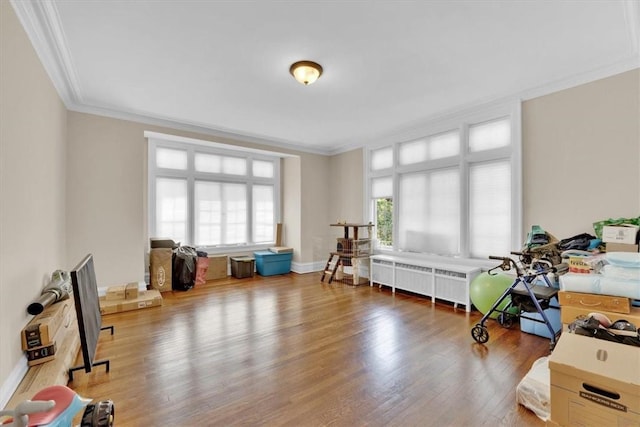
(97, 363)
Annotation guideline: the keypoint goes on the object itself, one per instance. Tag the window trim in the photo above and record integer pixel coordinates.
(192, 146)
(461, 121)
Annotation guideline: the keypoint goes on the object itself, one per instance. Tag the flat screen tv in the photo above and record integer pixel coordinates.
(85, 294)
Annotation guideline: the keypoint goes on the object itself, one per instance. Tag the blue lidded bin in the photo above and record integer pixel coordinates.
(270, 263)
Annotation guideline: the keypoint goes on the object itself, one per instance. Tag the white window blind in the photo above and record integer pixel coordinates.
(171, 205)
(490, 209)
(429, 212)
(171, 159)
(494, 134)
(382, 187)
(263, 169)
(382, 158)
(263, 213)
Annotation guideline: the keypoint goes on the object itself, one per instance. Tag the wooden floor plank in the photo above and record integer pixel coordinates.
(290, 350)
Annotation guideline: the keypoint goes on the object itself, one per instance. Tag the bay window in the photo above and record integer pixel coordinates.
(212, 196)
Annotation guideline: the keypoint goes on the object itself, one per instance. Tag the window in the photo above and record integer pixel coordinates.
(381, 191)
(454, 191)
(208, 195)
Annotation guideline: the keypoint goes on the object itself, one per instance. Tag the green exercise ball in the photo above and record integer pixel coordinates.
(485, 290)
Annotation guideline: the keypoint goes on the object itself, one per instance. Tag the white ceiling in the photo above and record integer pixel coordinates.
(222, 67)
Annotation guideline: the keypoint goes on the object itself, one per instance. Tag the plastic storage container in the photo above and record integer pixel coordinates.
(541, 329)
(269, 263)
(242, 267)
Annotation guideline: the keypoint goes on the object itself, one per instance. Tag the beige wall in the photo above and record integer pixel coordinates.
(316, 198)
(581, 151)
(347, 184)
(32, 185)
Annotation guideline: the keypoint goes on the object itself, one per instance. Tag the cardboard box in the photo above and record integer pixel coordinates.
(131, 290)
(217, 267)
(594, 382)
(595, 302)
(621, 247)
(45, 353)
(41, 330)
(115, 293)
(270, 263)
(146, 299)
(242, 267)
(38, 355)
(160, 271)
(568, 314)
(620, 234)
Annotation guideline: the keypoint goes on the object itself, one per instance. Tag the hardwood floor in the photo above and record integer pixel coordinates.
(290, 350)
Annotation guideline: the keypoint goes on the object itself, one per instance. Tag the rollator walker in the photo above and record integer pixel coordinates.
(530, 292)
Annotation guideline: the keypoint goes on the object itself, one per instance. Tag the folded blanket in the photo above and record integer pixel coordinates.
(615, 272)
(624, 259)
(599, 284)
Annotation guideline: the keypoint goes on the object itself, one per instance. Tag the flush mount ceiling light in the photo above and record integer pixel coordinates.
(306, 72)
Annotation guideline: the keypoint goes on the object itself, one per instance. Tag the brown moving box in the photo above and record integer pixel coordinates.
(43, 327)
(621, 247)
(131, 290)
(160, 270)
(217, 267)
(594, 382)
(595, 301)
(146, 299)
(115, 293)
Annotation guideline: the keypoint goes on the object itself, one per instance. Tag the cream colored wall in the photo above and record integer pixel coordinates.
(316, 199)
(32, 185)
(291, 205)
(106, 196)
(581, 151)
(347, 183)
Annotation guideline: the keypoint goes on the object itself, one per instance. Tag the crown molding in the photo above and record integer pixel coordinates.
(187, 126)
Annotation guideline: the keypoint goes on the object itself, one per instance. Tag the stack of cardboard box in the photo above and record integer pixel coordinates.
(45, 333)
(128, 297)
(621, 238)
(596, 381)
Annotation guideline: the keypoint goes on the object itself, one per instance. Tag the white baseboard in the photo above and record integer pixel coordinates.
(13, 381)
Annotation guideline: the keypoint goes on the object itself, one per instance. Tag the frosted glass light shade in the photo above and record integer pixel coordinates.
(306, 72)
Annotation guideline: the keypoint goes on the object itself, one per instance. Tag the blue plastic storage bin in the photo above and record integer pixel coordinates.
(270, 263)
(536, 328)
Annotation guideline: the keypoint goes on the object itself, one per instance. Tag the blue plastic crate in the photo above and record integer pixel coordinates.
(270, 263)
(541, 329)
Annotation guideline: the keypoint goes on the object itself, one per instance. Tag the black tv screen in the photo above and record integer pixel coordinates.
(85, 294)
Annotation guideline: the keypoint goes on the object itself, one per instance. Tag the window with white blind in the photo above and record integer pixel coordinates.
(212, 196)
(455, 191)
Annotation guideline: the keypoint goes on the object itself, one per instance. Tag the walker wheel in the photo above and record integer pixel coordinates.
(505, 320)
(480, 334)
